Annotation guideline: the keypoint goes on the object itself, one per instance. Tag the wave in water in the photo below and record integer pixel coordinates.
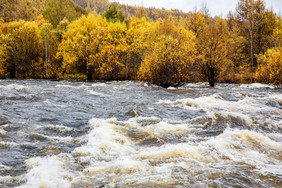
(155, 152)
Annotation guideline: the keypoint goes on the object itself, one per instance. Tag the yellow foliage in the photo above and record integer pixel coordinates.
(169, 63)
(75, 48)
(212, 47)
(270, 67)
(95, 48)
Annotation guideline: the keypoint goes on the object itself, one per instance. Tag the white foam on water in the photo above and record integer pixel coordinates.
(196, 85)
(3, 132)
(4, 168)
(229, 115)
(14, 86)
(170, 151)
(105, 138)
(277, 97)
(112, 151)
(59, 128)
(7, 179)
(214, 103)
(72, 86)
(252, 148)
(67, 139)
(7, 144)
(48, 172)
(172, 88)
(52, 103)
(163, 128)
(256, 85)
(96, 93)
(99, 85)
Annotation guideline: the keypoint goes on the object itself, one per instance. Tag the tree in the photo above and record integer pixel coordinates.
(169, 63)
(270, 67)
(113, 14)
(170, 57)
(57, 10)
(277, 33)
(4, 56)
(10, 51)
(110, 50)
(139, 39)
(75, 48)
(95, 48)
(46, 33)
(29, 43)
(196, 22)
(212, 47)
(256, 25)
(23, 50)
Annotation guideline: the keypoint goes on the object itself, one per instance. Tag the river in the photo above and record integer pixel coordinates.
(62, 134)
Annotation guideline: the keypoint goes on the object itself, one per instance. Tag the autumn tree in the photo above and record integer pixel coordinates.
(10, 51)
(139, 38)
(256, 26)
(212, 47)
(4, 56)
(29, 43)
(277, 33)
(270, 67)
(196, 22)
(171, 55)
(74, 50)
(95, 48)
(110, 49)
(235, 54)
(23, 50)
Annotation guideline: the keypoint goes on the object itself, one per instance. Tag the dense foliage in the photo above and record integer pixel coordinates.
(95, 39)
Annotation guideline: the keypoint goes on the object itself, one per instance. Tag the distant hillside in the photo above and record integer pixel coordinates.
(153, 13)
(53, 10)
(56, 10)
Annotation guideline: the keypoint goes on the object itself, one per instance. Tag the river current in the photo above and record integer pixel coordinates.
(130, 134)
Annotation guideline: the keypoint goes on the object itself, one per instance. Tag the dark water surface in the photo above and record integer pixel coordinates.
(87, 134)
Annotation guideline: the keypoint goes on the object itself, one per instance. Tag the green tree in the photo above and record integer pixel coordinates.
(113, 14)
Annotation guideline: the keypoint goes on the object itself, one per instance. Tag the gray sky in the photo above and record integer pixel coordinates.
(216, 7)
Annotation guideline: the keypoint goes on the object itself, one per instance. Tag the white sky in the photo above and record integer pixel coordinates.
(216, 7)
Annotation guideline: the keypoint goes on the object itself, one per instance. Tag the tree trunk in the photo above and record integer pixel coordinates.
(46, 57)
(252, 55)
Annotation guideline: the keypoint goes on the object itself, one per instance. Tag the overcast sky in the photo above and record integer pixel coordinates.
(216, 7)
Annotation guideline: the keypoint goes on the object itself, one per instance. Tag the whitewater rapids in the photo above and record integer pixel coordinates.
(83, 134)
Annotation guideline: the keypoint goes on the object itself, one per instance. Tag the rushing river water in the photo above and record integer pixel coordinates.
(82, 134)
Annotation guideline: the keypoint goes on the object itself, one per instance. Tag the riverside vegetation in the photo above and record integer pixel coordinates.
(95, 39)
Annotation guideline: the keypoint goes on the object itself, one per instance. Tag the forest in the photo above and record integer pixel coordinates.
(98, 40)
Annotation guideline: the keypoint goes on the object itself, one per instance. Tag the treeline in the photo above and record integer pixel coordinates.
(63, 39)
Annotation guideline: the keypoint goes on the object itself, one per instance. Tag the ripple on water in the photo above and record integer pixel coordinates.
(139, 135)
(112, 151)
